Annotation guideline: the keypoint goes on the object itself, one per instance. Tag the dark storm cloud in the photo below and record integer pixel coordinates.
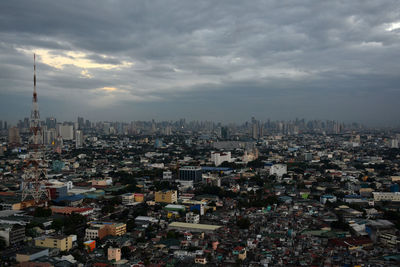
(226, 60)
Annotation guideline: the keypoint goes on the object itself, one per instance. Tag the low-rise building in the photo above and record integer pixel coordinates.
(131, 198)
(386, 196)
(101, 229)
(30, 254)
(114, 254)
(63, 243)
(166, 196)
(192, 217)
(12, 234)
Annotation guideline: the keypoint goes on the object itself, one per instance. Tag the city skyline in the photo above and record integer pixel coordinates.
(202, 61)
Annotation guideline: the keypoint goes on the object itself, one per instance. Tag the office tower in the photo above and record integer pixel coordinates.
(26, 123)
(190, 173)
(153, 126)
(13, 137)
(106, 128)
(168, 130)
(1, 125)
(394, 143)
(5, 126)
(255, 130)
(51, 123)
(81, 123)
(49, 136)
(58, 145)
(65, 131)
(225, 133)
(78, 138)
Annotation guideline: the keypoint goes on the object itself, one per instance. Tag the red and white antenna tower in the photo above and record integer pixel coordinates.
(35, 173)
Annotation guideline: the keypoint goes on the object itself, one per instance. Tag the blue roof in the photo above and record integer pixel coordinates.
(69, 198)
(223, 169)
(328, 196)
(353, 196)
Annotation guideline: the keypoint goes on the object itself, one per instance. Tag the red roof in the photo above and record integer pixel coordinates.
(7, 193)
(238, 248)
(350, 241)
(69, 210)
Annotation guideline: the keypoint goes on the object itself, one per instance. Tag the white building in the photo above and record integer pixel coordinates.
(167, 175)
(386, 196)
(66, 131)
(192, 217)
(219, 157)
(278, 169)
(91, 233)
(394, 143)
(128, 198)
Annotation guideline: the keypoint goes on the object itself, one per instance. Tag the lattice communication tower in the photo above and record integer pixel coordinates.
(35, 176)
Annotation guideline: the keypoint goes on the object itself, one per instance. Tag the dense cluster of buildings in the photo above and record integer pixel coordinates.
(199, 193)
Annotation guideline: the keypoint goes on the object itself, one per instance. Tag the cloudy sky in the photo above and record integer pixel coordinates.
(219, 60)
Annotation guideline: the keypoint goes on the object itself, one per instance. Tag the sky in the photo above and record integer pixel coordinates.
(202, 60)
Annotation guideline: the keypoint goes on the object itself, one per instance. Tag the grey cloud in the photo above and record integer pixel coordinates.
(194, 57)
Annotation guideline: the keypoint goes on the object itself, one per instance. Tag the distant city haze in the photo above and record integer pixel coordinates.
(224, 61)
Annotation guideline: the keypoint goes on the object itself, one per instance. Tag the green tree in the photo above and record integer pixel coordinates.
(243, 223)
(3, 243)
(126, 252)
(57, 224)
(42, 212)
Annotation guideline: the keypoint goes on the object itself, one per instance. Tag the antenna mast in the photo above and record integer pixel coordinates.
(35, 172)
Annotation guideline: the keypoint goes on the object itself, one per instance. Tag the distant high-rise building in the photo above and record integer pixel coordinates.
(58, 145)
(51, 123)
(78, 139)
(1, 125)
(26, 123)
(255, 130)
(5, 126)
(168, 130)
(49, 136)
(394, 143)
(153, 126)
(225, 133)
(13, 136)
(81, 123)
(106, 127)
(65, 131)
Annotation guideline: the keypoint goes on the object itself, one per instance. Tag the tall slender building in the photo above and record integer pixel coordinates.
(33, 184)
(14, 138)
(78, 139)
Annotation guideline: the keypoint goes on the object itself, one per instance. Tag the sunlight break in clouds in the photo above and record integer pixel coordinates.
(109, 89)
(77, 59)
(393, 26)
(86, 74)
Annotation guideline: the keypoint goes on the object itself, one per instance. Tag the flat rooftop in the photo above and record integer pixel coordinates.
(193, 226)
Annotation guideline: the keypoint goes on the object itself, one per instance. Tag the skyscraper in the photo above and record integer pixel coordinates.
(78, 139)
(225, 133)
(255, 128)
(51, 123)
(14, 138)
(65, 131)
(81, 123)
